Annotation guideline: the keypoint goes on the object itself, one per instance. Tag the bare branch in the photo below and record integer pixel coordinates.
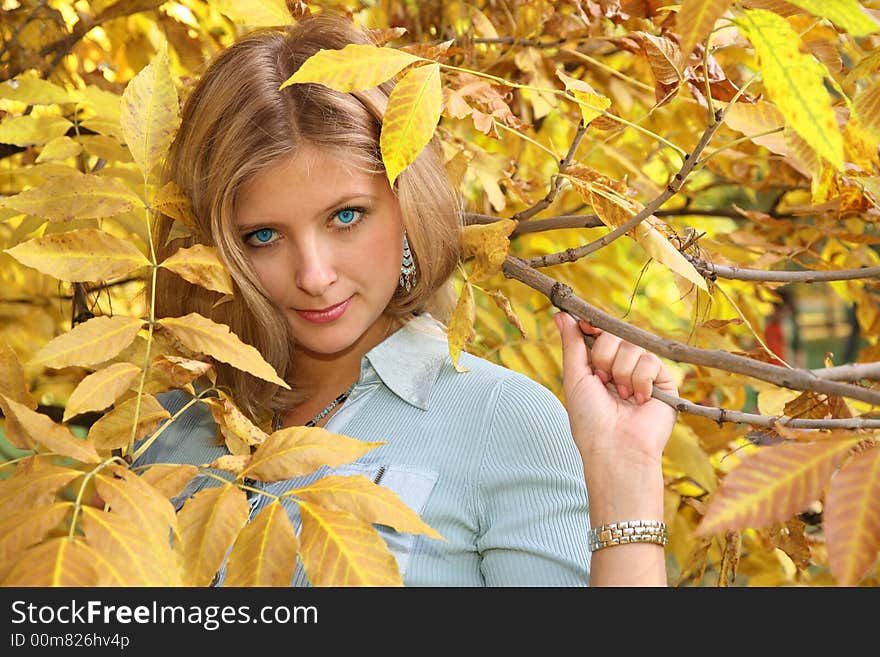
(671, 190)
(722, 415)
(742, 274)
(557, 180)
(564, 298)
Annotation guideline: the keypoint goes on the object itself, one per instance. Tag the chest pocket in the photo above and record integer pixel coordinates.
(413, 485)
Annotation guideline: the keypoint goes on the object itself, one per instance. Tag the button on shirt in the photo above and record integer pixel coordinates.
(485, 457)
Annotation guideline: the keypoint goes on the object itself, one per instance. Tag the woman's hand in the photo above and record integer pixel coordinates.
(608, 395)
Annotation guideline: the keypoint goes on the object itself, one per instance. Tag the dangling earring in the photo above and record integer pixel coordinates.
(407, 267)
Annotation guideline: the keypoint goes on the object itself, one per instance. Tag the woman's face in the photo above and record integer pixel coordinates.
(325, 240)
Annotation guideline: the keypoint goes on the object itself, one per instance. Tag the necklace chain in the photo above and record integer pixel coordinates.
(276, 423)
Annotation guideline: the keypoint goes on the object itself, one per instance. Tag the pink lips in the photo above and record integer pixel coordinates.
(324, 315)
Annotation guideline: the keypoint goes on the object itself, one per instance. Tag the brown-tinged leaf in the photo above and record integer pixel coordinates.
(167, 372)
(366, 501)
(114, 430)
(295, 451)
(75, 197)
(100, 389)
(341, 550)
(171, 201)
(461, 324)
(200, 265)
(168, 479)
(772, 485)
(209, 523)
(129, 550)
(234, 463)
(46, 435)
(237, 430)
(852, 518)
(56, 562)
(867, 106)
(216, 340)
(504, 304)
(791, 538)
(150, 113)
(81, 255)
(21, 529)
(94, 341)
(488, 244)
(131, 496)
(729, 558)
(265, 552)
(695, 21)
(807, 405)
(13, 382)
(33, 487)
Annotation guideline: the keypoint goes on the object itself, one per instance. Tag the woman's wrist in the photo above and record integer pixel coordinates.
(620, 492)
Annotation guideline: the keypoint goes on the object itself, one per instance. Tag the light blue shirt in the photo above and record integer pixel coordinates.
(485, 457)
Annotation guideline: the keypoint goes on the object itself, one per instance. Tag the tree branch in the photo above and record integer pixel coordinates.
(564, 298)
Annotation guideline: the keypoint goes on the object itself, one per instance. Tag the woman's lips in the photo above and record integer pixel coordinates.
(324, 315)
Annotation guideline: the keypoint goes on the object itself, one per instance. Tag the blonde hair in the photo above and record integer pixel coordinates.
(235, 123)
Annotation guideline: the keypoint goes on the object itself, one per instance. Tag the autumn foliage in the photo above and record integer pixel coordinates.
(660, 169)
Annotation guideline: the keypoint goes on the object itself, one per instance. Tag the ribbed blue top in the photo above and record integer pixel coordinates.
(484, 456)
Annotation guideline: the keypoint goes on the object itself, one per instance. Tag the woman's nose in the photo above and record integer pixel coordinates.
(315, 270)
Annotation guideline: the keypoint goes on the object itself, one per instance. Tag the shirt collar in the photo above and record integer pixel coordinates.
(409, 361)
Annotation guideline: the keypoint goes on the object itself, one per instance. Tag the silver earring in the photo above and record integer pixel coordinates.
(407, 267)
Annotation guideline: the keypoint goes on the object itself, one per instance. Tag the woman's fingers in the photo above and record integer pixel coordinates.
(575, 357)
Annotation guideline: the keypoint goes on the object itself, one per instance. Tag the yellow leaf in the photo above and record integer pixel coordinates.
(216, 340)
(255, 13)
(353, 68)
(20, 530)
(867, 106)
(170, 200)
(80, 255)
(90, 342)
(57, 562)
(794, 81)
(295, 451)
(106, 109)
(169, 480)
(134, 498)
(413, 111)
(45, 433)
(366, 501)
(852, 518)
(696, 20)
(29, 130)
(773, 484)
(340, 550)
(34, 91)
(209, 524)
(168, 372)
(488, 244)
(461, 324)
(240, 433)
(845, 14)
(201, 265)
(13, 382)
(756, 118)
(233, 463)
(503, 304)
(32, 488)
(77, 197)
(264, 553)
(127, 550)
(114, 429)
(100, 389)
(150, 114)
(60, 148)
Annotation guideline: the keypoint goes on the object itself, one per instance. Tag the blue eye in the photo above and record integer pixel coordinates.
(346, 216)
(261, 237)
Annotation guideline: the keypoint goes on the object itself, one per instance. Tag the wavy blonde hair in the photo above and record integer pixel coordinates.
(235, 124)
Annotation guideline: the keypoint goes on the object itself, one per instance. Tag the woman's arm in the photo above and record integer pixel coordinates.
(620, 432)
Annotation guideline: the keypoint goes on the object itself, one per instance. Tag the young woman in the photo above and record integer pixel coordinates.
(341, 280)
